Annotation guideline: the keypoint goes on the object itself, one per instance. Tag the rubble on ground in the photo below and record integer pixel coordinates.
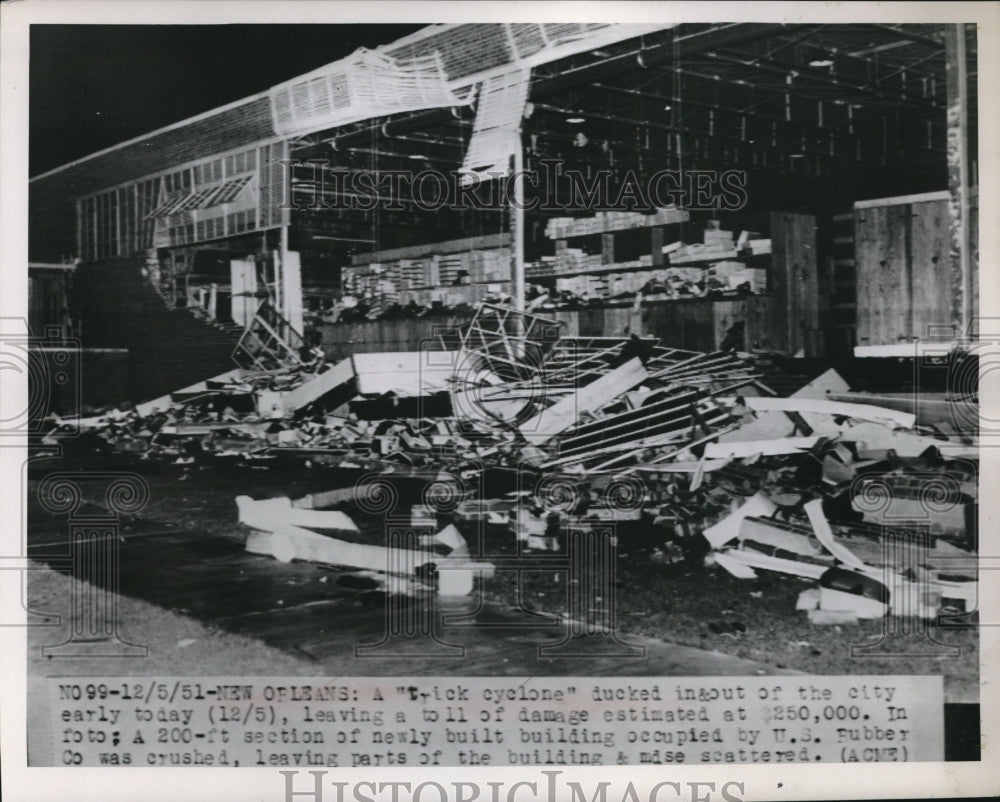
(689, 455)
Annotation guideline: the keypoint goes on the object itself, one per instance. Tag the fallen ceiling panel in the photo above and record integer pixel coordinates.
(366, 84)
(434, 68)
(496, 135)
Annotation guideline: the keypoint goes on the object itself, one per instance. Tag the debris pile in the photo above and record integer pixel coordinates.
(684, 456)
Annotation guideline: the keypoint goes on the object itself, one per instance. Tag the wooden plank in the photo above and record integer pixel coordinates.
(806, 288)
(903, 290)
(634, 445)
(309, 391)
(264, 513)
(929, 408)
(282, 533)
(326, 498)
(780, 280)
(763, 321)
(898, 270)
(564, 413)
(876, 271)
(931, 286)
(865, 244)
(923, 197)
(776, 424)
(725, 313)
(859, 411)
(911, 350)
(670, 404)
(405, 372)
(652, 426)
(878, 436)
(607, 249)
(290, 279)
(729, 527)
(868, 226)
(691, 466)
(770, 532)
(656, 245)
(751, 448)
(814, 509)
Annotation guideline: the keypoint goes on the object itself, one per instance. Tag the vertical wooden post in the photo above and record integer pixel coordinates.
(608, 248)
(958, 175)
(118, 222)
(96, 235)
(173, 280)
(79, 230)
(291, 289)
(656, 245)
(243, 278)
(517, 220)
(793, 279)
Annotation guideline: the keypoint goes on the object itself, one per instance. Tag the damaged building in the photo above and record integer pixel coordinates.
(698, 298)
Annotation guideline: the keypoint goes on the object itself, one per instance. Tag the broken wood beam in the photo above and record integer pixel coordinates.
(566, 412)
(729, 527)
(283, 534)
(929, 408)
(857, 411)
(279, 403)
(753, 448)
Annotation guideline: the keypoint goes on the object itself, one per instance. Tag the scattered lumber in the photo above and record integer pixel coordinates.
(288, 533)
(871, 498)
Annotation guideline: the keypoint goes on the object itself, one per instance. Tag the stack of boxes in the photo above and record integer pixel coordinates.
(694, 268)
(473, 275)
(489, 267)
(469, 277)
(603, 222)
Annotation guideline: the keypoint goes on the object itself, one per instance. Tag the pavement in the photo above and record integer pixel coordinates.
(342, 621)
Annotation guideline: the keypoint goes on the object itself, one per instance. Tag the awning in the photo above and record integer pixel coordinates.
(176, 203)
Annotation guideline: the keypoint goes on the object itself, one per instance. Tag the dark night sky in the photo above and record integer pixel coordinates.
(93, 86)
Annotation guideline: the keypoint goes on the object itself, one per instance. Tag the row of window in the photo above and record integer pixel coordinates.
(115, 222)
(212, 228)
(112, 224)
(228, 167)
(184, 232)
(181, 235)
(150, 212)
(177, 181)
(211, 171)
(242, 221)
(241, 162)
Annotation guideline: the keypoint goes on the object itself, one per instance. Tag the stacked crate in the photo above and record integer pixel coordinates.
(413, 274)
(450, 268)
